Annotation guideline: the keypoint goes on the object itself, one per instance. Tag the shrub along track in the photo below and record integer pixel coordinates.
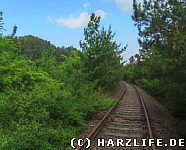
(128, 118)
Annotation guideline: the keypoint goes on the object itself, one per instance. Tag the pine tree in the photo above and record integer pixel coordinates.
(14, 31)
(162, 26)
(1, 24)
(101, 55)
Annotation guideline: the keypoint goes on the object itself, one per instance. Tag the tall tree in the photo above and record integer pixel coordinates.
(102, 55)
(162, 26)
(1, 23)
(162, 37)
(14, 31)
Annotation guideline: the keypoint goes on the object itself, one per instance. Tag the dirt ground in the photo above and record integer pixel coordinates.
(164, 125)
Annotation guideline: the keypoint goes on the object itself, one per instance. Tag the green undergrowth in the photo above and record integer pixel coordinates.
(171, 95)
(43, 103)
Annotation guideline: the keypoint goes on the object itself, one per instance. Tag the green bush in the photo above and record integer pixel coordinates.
(43, 109)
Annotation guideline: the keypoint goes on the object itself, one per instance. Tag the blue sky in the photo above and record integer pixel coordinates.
(62, 22)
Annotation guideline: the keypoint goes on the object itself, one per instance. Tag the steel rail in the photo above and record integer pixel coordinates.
(151, 136)
(100, 125)
(102, 122)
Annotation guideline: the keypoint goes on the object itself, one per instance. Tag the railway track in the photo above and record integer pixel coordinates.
(127, 119)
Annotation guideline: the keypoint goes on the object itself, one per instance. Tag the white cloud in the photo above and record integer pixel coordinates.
(73, 22)
(85, 5)
(50, 18)
(125, 5)
(79, 21)
(100, 13)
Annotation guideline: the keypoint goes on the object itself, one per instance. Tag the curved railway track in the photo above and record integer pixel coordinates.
(128, 118)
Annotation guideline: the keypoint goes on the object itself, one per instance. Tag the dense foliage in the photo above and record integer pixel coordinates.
(34, 47)
(160, 66)
(43, 102)
(101, 55)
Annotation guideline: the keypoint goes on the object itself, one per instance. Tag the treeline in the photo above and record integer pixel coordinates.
(48, 93)
(160, 66)
(34, 47)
